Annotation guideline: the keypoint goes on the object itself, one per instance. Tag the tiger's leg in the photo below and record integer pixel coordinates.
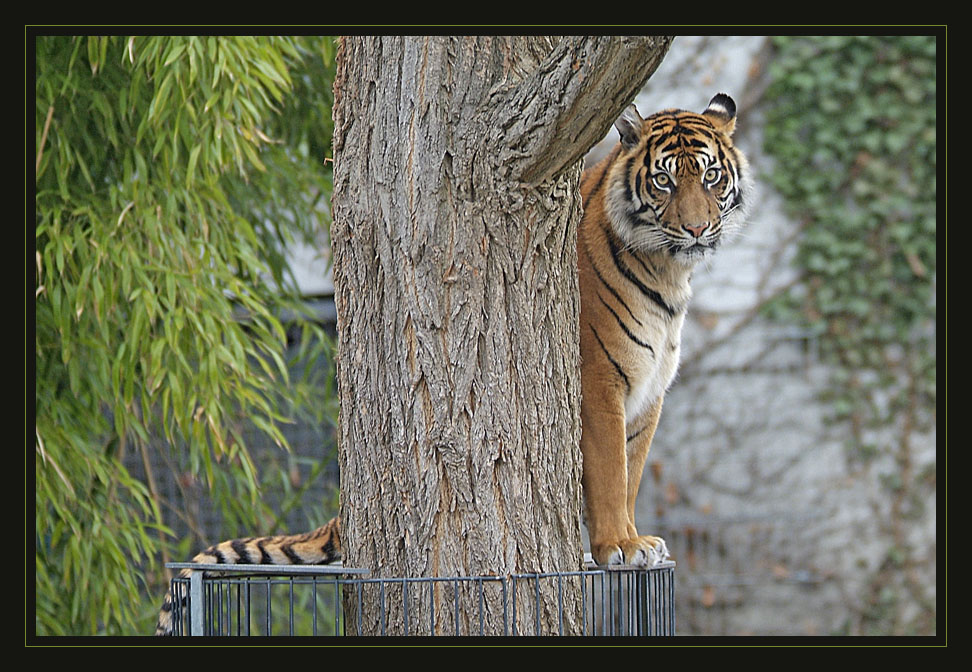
(604, 475)
(638, 442)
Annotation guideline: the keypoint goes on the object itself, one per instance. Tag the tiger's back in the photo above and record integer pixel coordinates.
(660, 202)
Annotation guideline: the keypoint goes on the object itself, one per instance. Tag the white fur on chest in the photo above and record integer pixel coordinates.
(655, 372)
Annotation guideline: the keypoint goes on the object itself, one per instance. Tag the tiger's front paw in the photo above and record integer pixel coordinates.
(643, 551)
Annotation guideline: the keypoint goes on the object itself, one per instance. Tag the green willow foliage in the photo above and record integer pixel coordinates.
(851, 123)
(171, 172)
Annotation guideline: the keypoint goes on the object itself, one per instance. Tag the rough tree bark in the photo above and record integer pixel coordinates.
(455, 206)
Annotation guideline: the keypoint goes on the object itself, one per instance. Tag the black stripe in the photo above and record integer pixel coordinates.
(291, 555)
(264, 556)
(617, 367)
(643, 263)
(625, 327)
(220, 558)
(328, 550)
(613, 291)
(646, 204)
(633, 436)
(647, 159)
(240, 549)
(736, 168)
(671, 147)
(721, 159)
(626, 272)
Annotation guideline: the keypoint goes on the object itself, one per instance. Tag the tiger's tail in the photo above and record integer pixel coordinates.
(319, 547)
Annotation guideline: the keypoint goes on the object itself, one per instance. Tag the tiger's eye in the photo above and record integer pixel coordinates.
(661, 180)
(711, 175)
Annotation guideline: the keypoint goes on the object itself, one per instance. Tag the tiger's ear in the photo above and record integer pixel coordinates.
(629, 125)
(722, 113)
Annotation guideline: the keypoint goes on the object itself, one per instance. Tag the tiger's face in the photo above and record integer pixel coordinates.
(679, 184)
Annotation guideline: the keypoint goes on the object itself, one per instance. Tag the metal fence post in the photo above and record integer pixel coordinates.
(196, 606)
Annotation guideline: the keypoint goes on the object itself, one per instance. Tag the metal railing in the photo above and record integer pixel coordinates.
(331, 600)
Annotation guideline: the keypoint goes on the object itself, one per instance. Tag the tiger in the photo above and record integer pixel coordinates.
(660, 202)
(318, 547)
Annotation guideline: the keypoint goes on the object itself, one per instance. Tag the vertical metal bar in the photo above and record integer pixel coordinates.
(560, 603)
(660, 607)
(196, 603)
(657, 598)
(505, 621)
(619, 606)
(455, 603)
(602, 602)
(269, 630)
(208, 612)
(612, 609)
(381, 604)
(536, 603)
(640, 582)
(513, 629)
(290, 585)
(662, 590)
(405, 603)
(338, 607)
(359, 588)
(314, 607)
(671, 599)
(650, 616)
(624, 625)
(668, 597)
(583, 585)
(624, 601)
(663, 607)
(239, 608)
(246, 599)
(432, 609)
(219, 587)
(481, 629)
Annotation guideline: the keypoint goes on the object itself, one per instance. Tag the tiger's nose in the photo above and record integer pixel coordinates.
(697, 230)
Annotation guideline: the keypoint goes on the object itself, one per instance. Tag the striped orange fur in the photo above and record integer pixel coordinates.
(660, 202)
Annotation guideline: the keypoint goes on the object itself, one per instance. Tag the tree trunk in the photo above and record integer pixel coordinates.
(455, 205)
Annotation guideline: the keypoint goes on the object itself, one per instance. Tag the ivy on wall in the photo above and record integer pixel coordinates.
(852, 127)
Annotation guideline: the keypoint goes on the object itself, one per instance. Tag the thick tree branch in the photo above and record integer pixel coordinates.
(552, 117)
